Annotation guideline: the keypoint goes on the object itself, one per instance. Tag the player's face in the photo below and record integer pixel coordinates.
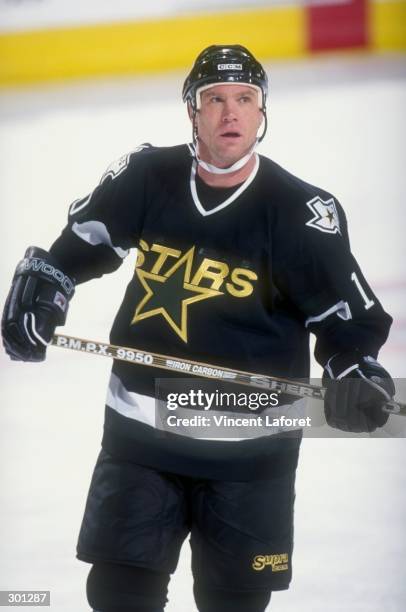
(227, 123)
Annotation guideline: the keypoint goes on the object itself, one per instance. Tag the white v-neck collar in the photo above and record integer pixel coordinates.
(226, 202)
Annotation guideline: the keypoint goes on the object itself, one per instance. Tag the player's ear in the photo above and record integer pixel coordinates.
(261, 119)
(190, 111)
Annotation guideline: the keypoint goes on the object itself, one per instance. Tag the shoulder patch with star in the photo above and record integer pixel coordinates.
(325, 215)
(119, 165)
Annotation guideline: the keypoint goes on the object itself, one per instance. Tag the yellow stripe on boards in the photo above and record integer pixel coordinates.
(146, 46)
(387, 21)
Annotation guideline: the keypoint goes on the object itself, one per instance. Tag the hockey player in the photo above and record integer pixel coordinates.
(238, 261)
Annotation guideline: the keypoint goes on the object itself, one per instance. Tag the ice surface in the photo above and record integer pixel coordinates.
(338, 123)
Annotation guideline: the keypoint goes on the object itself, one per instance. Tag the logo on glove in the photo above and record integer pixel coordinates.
(39, 265)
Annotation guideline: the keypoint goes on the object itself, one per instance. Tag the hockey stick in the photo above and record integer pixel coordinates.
(202, 370)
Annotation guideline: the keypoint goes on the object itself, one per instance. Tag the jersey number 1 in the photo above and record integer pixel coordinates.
(367, 302)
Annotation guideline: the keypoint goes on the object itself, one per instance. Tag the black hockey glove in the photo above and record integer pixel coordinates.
(37, 302)
(357, 388)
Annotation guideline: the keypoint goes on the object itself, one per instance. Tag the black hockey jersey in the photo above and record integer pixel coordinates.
(240, 284)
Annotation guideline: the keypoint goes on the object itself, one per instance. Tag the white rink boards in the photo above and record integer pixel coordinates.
(335, 122)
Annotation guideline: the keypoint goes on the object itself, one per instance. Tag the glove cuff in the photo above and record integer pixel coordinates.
(39, 263)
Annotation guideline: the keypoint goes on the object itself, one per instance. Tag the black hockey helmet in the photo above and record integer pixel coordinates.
(224, 64)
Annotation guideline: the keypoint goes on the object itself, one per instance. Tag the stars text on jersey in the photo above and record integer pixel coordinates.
(172, 283)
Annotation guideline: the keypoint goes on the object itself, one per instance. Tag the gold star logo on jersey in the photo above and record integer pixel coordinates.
(171, 294)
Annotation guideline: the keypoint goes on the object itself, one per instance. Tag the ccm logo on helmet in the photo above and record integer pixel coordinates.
(229, 66)
(39, 265)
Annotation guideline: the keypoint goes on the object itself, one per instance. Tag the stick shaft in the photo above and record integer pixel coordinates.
(200, 369)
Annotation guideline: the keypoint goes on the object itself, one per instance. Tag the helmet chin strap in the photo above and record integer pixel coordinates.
(215, 169)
